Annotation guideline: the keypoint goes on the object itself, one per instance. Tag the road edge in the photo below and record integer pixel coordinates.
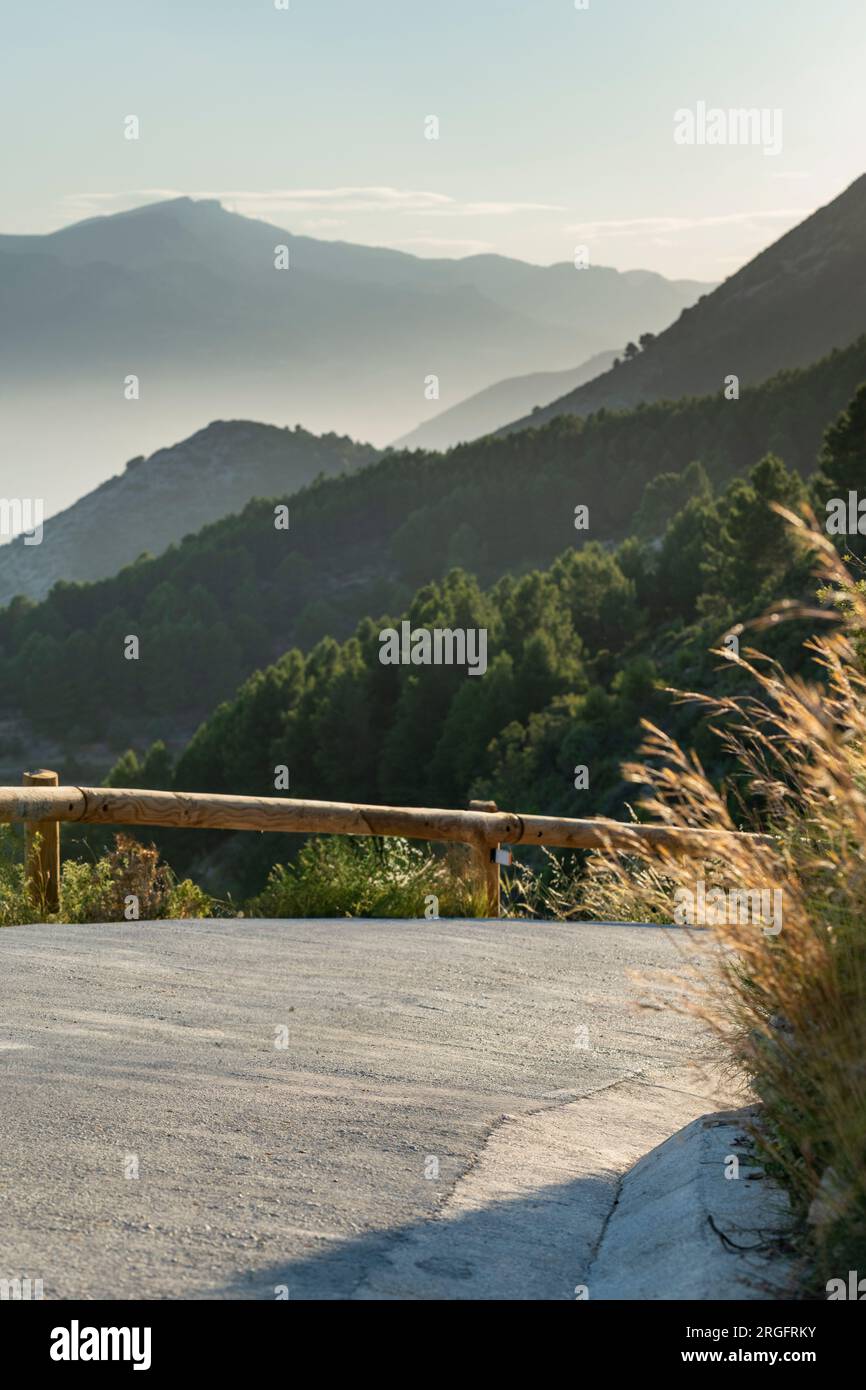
(697, 1218)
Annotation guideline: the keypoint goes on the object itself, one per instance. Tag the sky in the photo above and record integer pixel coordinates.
(556, 123)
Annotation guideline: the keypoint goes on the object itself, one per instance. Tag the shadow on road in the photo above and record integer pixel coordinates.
(534, 1247)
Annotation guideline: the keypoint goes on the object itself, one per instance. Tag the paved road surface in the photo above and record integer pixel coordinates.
(327, 1109)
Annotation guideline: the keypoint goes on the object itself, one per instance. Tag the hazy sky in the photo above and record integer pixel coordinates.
(556, 123)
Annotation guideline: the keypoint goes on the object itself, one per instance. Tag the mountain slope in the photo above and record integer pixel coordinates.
(796, 301)
(488, 410)
(239, 593)
(174, 492)
(185, 296)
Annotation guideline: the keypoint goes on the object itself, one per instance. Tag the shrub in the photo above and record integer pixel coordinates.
(364, 877)
(15, 906)
(98, 891)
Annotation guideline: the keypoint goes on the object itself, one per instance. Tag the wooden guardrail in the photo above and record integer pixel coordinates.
(42, 805)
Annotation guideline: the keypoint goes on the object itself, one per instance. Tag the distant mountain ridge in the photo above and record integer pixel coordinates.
(491, 408)
(185, 296)
(792, 304)
(161, 499)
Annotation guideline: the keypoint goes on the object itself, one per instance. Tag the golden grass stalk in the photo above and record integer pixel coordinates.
(790, 1004)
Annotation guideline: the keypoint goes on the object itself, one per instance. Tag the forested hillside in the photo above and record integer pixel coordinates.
(578, 654)
(238, 594)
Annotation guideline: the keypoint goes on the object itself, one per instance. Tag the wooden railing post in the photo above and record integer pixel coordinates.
(42, 850)
(487, 869)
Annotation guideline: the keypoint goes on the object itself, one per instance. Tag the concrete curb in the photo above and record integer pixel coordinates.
(525, 1221)
(681, 1229)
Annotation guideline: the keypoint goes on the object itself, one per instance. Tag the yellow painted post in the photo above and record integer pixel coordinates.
(42, 849)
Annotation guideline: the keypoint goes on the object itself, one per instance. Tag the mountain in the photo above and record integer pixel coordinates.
(488, 410)
(795, 302)
(237, 594)
(185, 296)
(176, 491)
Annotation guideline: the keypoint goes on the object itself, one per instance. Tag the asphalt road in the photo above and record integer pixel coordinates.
(328, 1109)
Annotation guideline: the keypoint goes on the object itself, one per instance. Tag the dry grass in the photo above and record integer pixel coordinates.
(791, 1006)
